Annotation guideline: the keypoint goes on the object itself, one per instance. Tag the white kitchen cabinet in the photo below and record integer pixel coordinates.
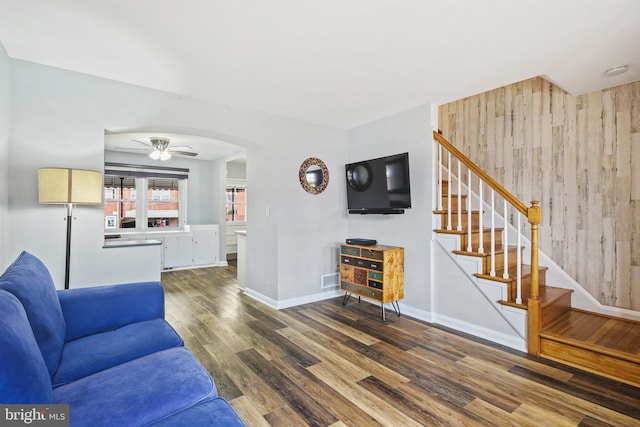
(205, 244)
(178, 251)
(198, 246)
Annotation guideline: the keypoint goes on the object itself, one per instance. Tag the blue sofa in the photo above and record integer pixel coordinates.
(105, 351)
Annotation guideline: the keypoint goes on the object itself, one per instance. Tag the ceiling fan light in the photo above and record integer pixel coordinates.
(165, 155)
(155, 154)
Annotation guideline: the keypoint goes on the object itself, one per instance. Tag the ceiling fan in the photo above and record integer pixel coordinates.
(161, 149)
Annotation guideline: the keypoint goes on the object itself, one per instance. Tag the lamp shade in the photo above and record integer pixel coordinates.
(61, 185)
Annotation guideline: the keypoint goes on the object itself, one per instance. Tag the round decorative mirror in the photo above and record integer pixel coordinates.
(313, 175)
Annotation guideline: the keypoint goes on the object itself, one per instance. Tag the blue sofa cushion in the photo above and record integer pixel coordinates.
(24, 377)
(97, 352)
(138, 392)
(97, 309)
(29, 280)
(214, 412)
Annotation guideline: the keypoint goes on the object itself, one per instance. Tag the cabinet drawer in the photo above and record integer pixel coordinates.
(374, 284)
(373, 265)
(371, 254)
(348, 260)
(364, 263)
(375, 276)
(361, 290)
(348, 250)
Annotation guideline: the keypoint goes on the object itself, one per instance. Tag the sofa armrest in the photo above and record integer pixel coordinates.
(88, 311)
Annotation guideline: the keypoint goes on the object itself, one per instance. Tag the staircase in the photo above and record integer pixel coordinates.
(552, 329)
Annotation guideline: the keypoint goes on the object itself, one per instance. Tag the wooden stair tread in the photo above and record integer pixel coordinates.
(499, 250)
(547, 295)
(454, 213)
(463, 231)
(525, 272)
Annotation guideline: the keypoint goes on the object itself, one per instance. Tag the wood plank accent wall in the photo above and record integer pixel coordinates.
(580, 157)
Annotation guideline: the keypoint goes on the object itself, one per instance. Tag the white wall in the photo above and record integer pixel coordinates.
(405, 132)
(315, 222)
(58, 118)
(237, 169)
(4, 158)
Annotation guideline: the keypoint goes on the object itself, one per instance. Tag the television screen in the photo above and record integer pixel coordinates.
(379, 185)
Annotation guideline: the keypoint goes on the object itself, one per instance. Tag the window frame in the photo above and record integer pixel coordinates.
(142, 174)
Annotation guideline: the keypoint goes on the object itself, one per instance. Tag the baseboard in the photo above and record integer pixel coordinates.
(416, 313)
(514, 342)
(192, 267)
(292, 302)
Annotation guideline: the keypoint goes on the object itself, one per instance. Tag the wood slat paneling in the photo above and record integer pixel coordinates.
(578, 155)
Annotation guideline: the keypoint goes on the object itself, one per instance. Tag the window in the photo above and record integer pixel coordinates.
(119, 202)
(161, 201)
(236, 203)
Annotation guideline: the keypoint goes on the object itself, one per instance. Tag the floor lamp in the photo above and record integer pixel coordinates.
(69, 187)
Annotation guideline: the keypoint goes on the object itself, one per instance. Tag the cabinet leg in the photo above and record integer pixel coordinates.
(345, 299)
(396, 307)
(384, 318)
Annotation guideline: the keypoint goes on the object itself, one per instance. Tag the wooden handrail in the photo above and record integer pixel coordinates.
(510, 198)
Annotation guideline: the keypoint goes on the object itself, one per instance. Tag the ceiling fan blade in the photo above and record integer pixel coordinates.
(142, 142)
(180, 147)
(182, 153)
(129, 148)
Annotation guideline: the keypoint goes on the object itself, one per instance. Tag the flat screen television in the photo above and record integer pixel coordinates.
(379, 186)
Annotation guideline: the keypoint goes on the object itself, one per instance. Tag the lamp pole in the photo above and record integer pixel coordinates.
(68, 258)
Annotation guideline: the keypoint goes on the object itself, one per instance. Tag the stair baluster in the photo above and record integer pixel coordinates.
(440, 166)
(449, 193)
(493, 233)
(459, 196)
(519, 266)
(469, 247)
(505, 239)
(481, 234)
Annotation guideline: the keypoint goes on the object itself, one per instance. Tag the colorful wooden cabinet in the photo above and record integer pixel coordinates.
(373, 272)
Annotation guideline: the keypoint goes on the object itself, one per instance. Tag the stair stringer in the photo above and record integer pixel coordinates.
(514, 318)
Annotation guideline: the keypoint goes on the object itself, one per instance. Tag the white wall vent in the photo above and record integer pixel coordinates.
(329, 280)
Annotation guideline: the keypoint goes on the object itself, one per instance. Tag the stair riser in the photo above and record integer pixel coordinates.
(551, 312)
(525, 291)
(454, 202)
(475, 220)
(486, 261)
(621, 370)
(475, 240)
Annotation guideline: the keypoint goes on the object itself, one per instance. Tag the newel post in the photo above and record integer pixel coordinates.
(534, 216)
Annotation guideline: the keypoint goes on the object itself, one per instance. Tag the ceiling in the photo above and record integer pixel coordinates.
(340, 63)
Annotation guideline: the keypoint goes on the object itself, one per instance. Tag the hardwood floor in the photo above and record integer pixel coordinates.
(323, 364)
